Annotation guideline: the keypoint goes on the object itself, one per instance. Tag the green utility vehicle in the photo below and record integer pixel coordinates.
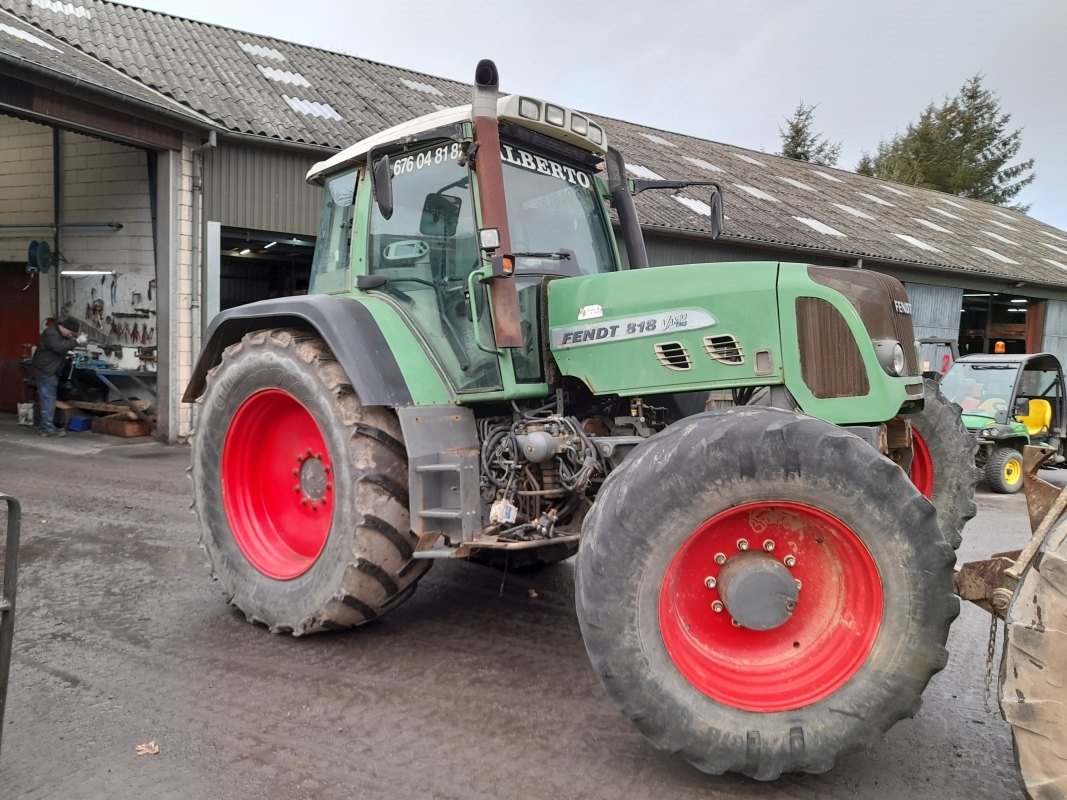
(1008, 402)
(478, 374)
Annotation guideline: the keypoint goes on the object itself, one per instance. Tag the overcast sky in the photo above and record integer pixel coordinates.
(727, 71)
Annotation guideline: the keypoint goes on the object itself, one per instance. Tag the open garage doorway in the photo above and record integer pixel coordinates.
(259, 265)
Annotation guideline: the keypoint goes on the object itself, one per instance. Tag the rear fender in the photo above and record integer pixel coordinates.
(347, 327)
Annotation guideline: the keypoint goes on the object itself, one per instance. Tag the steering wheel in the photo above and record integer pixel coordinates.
(994, 405)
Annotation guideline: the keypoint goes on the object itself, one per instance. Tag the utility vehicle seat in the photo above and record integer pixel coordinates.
(1039, 418)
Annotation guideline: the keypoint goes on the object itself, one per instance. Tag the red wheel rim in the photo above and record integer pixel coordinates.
(810, 656)
(922, 465)
(277, 484)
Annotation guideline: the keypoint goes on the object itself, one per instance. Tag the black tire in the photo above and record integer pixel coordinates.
(713, 464)
(952, 449)
(365, 566)
(1032, 691)
(1004, 470)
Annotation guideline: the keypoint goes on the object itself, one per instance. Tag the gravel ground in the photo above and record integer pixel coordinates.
(478, 687)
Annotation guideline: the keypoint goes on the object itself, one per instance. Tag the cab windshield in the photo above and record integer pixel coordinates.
(554, 215)
(980, 389)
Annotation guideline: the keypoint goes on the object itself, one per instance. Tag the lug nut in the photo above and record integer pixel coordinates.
(790, 561)
(717, 606)
(735, 623)
(296, 472)
(720, 558)
(296, 488)
(329, 486)
(768, 545)
(318, 456)
(799, 584)
(314, 506)
(742, 544)
(710, 582)
(303, 501)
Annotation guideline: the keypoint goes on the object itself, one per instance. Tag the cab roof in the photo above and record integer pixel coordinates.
(507, 108)
(1003, 358)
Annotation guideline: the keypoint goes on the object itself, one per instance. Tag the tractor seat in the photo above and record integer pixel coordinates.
(1039, 418)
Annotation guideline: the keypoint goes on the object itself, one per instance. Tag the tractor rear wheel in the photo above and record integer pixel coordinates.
(1033, 696)
(300, 489)
(1004, 470)
(942, 466)
(761, 592)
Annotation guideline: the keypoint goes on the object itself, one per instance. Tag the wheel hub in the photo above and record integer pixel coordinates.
(758, 590)
(313, 477)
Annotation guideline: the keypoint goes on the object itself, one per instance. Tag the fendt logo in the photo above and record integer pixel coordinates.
(901, 307)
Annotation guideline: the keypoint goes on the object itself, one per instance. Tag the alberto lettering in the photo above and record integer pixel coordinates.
(528, 161)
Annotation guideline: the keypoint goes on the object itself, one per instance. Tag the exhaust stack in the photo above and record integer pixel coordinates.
(502, 292)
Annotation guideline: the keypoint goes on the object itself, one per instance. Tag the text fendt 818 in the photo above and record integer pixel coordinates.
(476, 374)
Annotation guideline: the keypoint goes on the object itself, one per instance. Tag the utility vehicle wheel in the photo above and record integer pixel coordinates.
(1033, 695)
(942, 466)
(761, 592)
(1004, 470)
(301, 490)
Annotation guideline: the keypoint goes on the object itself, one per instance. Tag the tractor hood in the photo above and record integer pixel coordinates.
(668, 329)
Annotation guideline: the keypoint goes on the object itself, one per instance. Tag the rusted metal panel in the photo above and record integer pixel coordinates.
(830, 360)
(875, 297)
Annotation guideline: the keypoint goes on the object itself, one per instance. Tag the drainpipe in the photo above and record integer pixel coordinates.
(57, 215)
(198, 224)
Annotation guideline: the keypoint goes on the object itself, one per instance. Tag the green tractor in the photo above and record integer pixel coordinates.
(477, 374)
(1008, 402)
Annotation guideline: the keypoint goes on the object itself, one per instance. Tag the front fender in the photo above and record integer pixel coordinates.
(347, 327)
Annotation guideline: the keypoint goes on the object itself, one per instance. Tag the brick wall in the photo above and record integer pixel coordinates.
(25, 191)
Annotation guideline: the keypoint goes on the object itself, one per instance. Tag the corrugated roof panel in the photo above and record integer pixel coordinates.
(827, 176)
(658, 140)
(876, 199)
(752, 190)
(283, 76)
(796, 183)
(952, 203)
(419, 86)
(1059, 250)
(699, 206)
(1000, 238)
(312, 107)
(931, 225)
(821, 227)
(917, 242)
(748, 159)
(1005, 225)
(262, 52)
(26, 37)
(855, 212)
(702, 164)
(643, 172)
(1055, 263)
(896, 191)
(63, 8)
(994, 254)
(1053, 236)
(944, 213)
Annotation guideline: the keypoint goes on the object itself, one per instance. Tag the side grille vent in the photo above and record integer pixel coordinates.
(673, 355)
(724, 349)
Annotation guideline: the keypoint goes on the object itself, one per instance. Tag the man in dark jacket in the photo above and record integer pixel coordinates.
(48, 362)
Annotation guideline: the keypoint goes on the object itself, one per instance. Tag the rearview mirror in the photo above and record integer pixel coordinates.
(440, 215)
(383, 187)
(715, 203)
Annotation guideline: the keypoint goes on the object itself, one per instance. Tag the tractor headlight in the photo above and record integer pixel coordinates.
(890, 356)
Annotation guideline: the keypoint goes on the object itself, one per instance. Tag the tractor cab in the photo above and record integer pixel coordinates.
(1008, 402)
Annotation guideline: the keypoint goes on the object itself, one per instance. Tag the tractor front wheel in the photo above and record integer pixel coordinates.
(301, 490)
(942, 466)
(761, 592)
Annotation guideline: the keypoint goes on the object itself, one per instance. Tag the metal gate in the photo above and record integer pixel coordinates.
(7, 597)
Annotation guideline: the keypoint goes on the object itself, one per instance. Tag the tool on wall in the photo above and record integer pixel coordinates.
(151, 286)
(114, 289)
